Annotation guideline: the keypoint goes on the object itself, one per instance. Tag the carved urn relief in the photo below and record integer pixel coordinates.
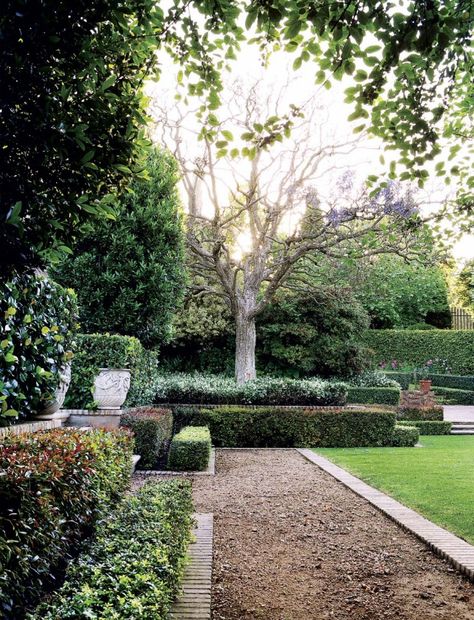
(111, 387)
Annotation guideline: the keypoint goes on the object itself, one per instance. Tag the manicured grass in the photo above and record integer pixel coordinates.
(436, 479)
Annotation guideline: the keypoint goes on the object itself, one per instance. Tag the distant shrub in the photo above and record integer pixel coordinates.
(134, 565)
(152, 429)
(273, 427)
(374, 395)
(190, 449)
(54, 487)
(402, 378)
(216, 389)
(420, 413)
(420, 326)
(404, 436)
(429, 427)
(373, 378)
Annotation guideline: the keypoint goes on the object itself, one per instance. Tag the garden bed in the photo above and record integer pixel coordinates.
(290, 542)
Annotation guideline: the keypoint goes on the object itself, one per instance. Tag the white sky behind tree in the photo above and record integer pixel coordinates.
(364, 160)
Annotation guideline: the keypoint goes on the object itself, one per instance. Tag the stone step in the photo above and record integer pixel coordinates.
(456, 431)
(135, 459)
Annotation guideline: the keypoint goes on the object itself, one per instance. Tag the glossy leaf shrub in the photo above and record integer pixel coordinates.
(190, 449)
(54, 486)
(152, 429)
(273, 427)
(134, 566)
(38, 321)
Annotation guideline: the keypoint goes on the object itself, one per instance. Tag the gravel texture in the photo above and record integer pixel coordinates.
(291, 543)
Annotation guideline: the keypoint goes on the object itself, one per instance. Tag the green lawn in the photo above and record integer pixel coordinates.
(436, 480)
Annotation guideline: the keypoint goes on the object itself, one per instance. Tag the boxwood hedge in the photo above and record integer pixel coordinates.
(190, 449)
(457, 382)
(134, 565)
(429, 427)
(152, 428)
(417, 347)
(373, 395)
(404, 436)
(451, 396)
(402, 378)
(420, 413)
(273, 427)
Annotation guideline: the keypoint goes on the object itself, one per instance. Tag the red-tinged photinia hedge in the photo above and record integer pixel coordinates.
(53, 488)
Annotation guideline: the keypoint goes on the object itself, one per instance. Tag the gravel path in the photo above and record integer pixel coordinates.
(291, 543)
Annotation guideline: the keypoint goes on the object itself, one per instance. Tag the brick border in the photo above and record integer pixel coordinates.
(456, 551)
(33, 426)
(194, 602)
(210, 471)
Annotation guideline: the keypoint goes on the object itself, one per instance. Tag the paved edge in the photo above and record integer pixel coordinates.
(456, 551)
(194, 602)
(210, 471)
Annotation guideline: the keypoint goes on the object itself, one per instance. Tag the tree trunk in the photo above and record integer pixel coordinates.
(245, 339)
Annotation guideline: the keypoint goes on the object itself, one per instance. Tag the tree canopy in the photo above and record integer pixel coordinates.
(72, 109)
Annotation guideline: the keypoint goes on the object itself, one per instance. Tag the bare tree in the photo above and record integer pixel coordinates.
(251, 221)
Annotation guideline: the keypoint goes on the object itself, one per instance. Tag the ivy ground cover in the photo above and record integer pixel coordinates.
(436, 479)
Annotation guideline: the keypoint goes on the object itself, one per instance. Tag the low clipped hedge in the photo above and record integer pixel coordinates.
(428, 427)
(415, 348)
(452, 396)
(404, 436)
(273, 427)
(215, 390)
(457, 382)
(95, 351)
(152, 428)
(134, 565)
(373, 395)
(190, 449)
(53, 488)
(420, 413)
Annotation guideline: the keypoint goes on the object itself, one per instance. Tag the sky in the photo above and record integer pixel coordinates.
(363, 160)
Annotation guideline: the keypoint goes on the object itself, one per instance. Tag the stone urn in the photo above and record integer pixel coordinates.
(425, 385)
(52, 408)
(111, 387)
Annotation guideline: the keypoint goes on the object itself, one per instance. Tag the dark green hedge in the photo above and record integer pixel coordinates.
(190, 449)
(96, 351)
(275, 427)
(152, 429)
(417, 347)
(55, 486)
(430, 413)
(403, 378)
(404, 436)
(428, 427)
(373, 395)
(452, 396)
(134, 566)
(457, 382)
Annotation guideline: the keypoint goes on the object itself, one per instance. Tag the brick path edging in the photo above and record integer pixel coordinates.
(456, 551)
(194, 602)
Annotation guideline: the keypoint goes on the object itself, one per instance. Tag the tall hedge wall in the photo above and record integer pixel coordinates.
(418, 346)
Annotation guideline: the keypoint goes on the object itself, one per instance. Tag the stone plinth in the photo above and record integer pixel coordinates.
(416, 399)
(102, 418)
